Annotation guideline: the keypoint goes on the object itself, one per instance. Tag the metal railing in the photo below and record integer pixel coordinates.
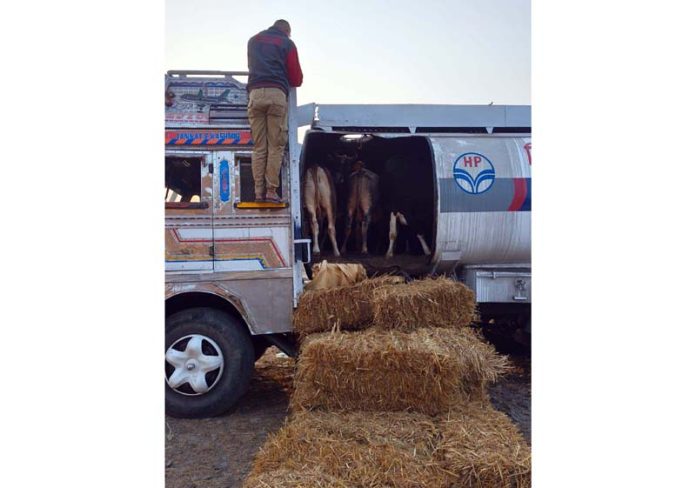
(185, 73)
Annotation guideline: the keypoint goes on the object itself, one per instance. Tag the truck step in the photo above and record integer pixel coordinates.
(252, 205)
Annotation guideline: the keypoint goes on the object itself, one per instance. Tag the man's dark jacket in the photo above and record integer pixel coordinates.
(273, 61)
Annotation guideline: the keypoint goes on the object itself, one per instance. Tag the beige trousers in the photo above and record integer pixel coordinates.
(268, 117)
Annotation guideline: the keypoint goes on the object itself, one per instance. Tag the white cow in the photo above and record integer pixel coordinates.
(364, 192)
(319, 197)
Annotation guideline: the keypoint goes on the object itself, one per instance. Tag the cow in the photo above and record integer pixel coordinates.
(319, 198)
(341, 165)
(407, 198)
(362, 199)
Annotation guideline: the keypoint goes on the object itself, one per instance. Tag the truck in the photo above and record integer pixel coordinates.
(236, 268)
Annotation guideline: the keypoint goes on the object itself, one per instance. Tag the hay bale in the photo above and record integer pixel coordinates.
(343, 308)
(427, 371)
(439, 302)
(301, 478)
(332, 275)
(366, 449)
(484, 448)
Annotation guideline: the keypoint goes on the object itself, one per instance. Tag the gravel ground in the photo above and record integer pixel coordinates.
(217, 453)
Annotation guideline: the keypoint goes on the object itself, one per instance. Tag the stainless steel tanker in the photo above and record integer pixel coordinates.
(484, 200)
(481, 158)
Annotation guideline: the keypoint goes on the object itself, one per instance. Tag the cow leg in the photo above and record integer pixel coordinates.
(393, 230)
(331, 224)
(426, 249)
(322, 233)
(349, 226)
(392, 234)
(365, 224)
(315, 230)
(401, 218)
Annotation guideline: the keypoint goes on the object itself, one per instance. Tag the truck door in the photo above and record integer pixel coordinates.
(245, 239)
(188, 211)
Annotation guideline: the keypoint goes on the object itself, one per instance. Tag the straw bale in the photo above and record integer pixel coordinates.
(439, 302)
(483, 448)
(366, 449)
(332, 275)
(301, 478)
(427, 371)
(346, 307)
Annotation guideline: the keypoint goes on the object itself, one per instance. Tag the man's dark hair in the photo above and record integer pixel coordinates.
(283, 25)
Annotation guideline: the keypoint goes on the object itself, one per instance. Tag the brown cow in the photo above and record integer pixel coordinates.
(362, 198)
(319, 197)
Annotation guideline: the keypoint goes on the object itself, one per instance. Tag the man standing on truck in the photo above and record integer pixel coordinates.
(273, 68)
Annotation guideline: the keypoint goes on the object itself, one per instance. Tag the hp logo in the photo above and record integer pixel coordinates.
(473, 172)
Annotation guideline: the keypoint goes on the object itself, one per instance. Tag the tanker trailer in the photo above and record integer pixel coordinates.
(484, 224)
(478, 198)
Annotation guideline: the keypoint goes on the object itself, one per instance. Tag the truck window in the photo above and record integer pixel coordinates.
(182, 180)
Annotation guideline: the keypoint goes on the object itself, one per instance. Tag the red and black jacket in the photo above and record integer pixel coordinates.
(273, 61)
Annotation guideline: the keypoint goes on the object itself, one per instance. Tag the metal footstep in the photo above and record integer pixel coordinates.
(251, 205)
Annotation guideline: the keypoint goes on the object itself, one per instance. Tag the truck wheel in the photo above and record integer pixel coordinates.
(209, 360)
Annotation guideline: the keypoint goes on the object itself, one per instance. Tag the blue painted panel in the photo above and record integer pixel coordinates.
(224, 180)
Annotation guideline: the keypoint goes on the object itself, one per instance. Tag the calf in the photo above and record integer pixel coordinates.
(319, 198)
(408, 199)
(362, 197)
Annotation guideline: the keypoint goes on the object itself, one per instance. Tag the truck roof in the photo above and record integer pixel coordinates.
(424, 118)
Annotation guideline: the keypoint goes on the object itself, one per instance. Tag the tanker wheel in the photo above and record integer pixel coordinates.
(209, 361)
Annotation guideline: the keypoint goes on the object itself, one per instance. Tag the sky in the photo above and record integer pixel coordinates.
(408, 51)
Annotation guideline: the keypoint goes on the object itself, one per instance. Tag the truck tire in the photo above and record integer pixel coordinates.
(209, 361)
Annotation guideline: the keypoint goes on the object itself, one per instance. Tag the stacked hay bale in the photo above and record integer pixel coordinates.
(358, 448)
(482, 447)
(343, 308)
(473, 445)
(438, 302)
(401, 403)
(304, 477)
(426, 371)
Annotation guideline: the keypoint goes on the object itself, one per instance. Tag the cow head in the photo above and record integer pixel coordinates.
(357, 166)
(343, 159)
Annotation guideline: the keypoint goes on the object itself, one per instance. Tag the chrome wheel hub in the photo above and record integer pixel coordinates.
(194, 365)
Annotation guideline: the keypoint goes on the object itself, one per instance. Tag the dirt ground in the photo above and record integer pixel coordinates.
(513, 394)
(217, 453)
